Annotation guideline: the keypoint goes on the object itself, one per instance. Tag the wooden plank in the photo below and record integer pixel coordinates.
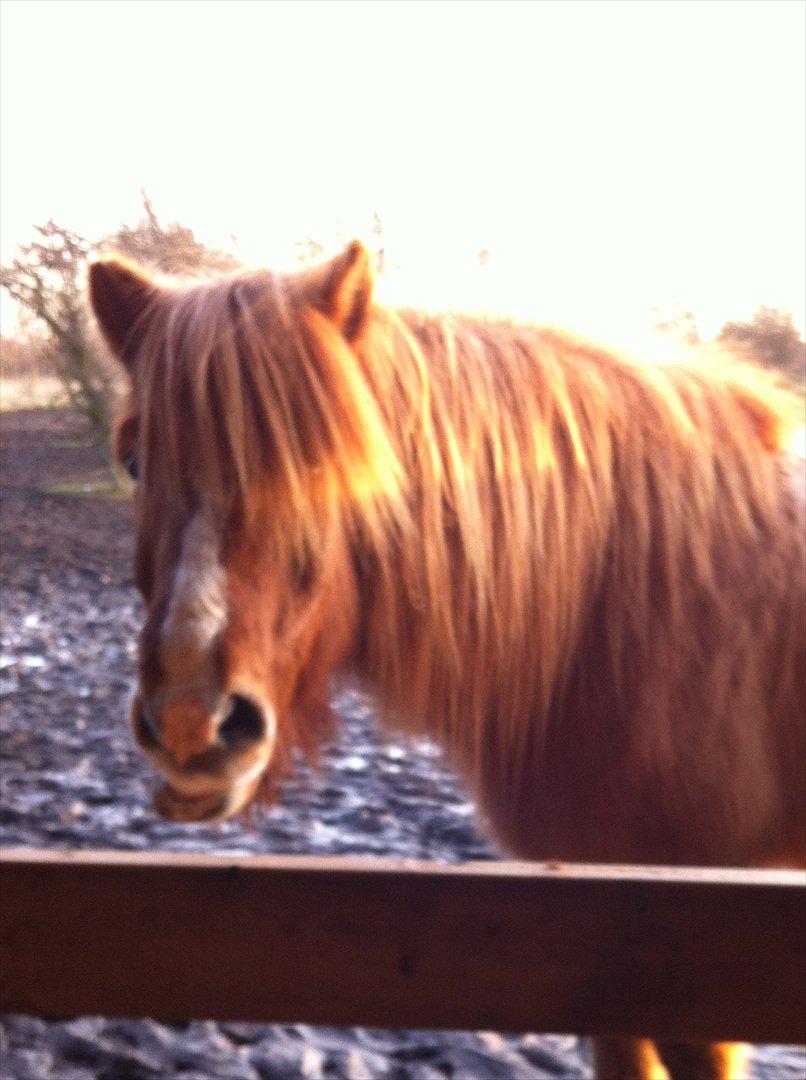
(709, 954)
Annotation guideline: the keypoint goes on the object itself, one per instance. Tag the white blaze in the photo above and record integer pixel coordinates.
(197, 610)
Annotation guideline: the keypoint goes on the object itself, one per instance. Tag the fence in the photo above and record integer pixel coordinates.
(705, 954)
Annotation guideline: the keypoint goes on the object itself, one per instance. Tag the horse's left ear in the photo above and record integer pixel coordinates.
(120, 293)
(342, 289)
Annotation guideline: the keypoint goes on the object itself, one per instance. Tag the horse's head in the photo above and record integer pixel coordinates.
(249, 429)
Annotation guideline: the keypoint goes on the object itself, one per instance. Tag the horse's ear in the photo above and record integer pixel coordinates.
(120, 292)
(342, 289)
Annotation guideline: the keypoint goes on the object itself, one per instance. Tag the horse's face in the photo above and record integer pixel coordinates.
(241, 633)
(235, 656)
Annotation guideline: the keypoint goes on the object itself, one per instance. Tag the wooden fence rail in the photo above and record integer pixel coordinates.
(711, 954)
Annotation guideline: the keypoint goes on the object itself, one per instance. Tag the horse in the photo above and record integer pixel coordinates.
(581, 575)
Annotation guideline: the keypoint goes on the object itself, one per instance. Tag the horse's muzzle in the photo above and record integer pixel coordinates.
(213, 756)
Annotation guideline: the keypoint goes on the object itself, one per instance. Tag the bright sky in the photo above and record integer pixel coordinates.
(613, 157)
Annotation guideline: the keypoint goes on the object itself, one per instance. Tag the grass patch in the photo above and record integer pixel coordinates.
(74, 444)
(98, 489)
(19, 395)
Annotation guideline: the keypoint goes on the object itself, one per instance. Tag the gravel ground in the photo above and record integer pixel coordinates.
(72, 779)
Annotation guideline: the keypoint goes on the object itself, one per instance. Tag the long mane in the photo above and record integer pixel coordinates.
(517, 498)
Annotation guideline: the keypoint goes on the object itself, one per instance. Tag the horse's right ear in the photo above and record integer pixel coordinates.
(120, 293)
(342, 289)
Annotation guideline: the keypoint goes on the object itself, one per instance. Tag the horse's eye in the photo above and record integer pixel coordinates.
(130, 465)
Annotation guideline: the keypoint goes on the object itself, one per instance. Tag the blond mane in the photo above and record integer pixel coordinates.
(537, 516)
(584, 576)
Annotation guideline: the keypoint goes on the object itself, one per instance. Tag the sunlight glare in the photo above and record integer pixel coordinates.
(605, 159)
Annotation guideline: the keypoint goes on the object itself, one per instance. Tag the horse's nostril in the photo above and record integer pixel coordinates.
(147, 729)
(244, 724)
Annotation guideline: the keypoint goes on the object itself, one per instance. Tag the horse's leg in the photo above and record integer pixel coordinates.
(627, 1059)
(704, 1061)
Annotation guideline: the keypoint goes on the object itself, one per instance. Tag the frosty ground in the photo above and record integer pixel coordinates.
(71, 778)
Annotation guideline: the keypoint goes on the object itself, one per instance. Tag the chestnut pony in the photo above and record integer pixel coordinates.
(582, 576)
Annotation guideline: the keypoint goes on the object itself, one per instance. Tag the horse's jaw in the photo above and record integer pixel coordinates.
(206, 807)
(198, 799)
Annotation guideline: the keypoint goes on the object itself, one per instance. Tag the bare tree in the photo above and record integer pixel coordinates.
(678, 323)
(48, 281)
(22, 357)
(310, 251)
(167, 246)
(770, 339)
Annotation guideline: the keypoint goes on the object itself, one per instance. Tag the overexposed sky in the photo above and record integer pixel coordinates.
(613, 157)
